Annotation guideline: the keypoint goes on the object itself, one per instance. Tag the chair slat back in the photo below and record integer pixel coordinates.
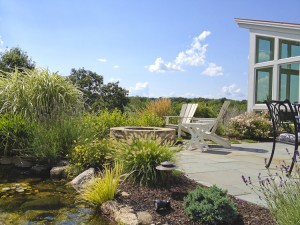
(221, 114)
(187, 112)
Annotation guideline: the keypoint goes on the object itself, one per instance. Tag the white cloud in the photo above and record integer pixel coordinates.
(193, 56)
(140, 89)
(232, 91)
(102, 60)
(1, 44)
(213, 70)
(160, 66)
(116, 66)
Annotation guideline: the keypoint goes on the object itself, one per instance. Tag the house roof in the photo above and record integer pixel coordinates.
(252, 24)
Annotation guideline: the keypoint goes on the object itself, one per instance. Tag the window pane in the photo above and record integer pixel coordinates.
(282, 90)
(288, 49)
(289, 82)
(264, 49)
(263, 85)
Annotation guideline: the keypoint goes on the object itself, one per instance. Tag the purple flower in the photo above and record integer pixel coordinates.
(245, 180)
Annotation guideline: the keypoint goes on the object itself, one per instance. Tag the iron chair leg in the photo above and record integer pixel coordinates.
(272, 153)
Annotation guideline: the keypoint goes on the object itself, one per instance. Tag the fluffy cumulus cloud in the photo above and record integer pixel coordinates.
(192, 56)
(102, 60)
(232, 91)
(140, 89)
(213, 70)
(161, 66)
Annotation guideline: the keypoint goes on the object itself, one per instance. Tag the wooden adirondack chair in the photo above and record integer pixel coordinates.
(210, 134)
(186, 114)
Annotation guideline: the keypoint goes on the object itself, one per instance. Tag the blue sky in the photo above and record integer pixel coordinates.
(166, 48)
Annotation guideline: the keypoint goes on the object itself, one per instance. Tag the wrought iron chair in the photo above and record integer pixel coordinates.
(285, 126)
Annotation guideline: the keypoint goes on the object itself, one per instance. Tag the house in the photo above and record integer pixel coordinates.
(274, 60)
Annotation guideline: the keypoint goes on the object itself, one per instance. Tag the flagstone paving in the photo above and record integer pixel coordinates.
(225, 167)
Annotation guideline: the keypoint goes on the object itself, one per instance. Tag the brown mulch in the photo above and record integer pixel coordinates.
(142, 199)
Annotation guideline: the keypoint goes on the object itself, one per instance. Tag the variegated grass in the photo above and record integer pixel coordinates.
(104, 187)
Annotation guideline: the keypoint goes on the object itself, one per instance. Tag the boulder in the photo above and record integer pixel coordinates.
(82, 178)
(58, 172)
(122, 214)
(5, 160)
(21, 163)
(144, 218)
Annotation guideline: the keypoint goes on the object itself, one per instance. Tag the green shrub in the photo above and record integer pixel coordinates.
(104, 187)
(91, 153)
(146, 119)
(250, 125)
(15, 134)
(98, 125)
(140, 155)
(210, 206)
(54, 139)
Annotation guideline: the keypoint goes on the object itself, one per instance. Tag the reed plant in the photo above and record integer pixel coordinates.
(161, 107)
(140, 156)
(38, 94)
(104, 187)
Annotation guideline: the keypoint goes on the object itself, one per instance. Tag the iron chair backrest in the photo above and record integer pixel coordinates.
(282, 116)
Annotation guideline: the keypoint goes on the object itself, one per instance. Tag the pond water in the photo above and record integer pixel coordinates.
(31, 200)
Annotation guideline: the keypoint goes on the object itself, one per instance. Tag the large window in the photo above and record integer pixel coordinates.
(263, 90)
(288, 48)
(264, 49)
(289, 82)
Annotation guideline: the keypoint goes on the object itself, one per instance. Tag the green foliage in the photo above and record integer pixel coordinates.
(39, 95)
(250, 125)
(210, 206)
(112, 97)
(15, 134)
(54, 139)
(205, 112)
(140, 156)
(15, 59)
(146, 119)
(104, 187)
(99, 96)
(91, 153)
(98, 125)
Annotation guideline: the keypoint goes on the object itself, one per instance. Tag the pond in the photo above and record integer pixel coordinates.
(33, 200)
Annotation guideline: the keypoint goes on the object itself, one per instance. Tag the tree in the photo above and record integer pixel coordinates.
(113, 96)
(89, 83)
(15, 58)
(97, 95)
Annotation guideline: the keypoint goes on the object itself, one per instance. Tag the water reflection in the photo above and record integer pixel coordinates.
(26, 200)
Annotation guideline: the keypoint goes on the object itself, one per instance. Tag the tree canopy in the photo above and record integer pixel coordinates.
(15, 58)
(96, 94)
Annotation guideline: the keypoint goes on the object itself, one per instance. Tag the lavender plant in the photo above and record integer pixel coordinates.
(281, 192)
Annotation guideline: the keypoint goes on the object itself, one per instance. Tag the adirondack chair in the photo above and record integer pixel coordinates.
(186, 114)
(210, 134)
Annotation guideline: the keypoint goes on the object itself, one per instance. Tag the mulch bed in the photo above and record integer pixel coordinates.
(142, 199)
